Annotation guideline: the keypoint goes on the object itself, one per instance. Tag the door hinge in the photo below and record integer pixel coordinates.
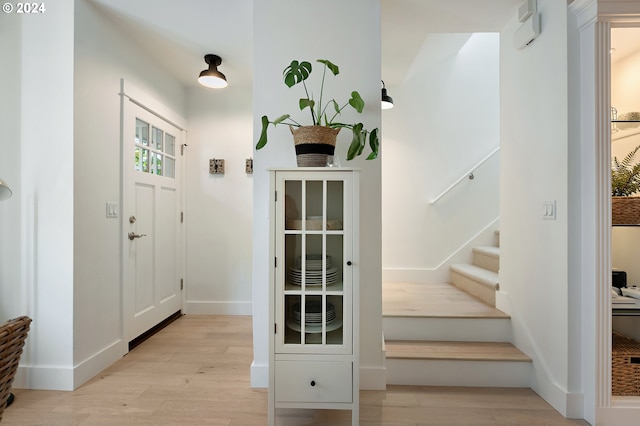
(275, 328)
(275, 262)
(275, 196)
(182, 149)
(181, 284)
(181, 217)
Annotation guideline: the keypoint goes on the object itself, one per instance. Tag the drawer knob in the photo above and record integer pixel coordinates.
(313, 383)
(349, 263)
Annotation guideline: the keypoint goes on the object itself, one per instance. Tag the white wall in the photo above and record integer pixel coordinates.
(39, 149)
(104, 55)
(351, 39)
(219, 207)
(534, 257)
(445, 120)
(12, 299)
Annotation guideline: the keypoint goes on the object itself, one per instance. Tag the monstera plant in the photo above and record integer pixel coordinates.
(323, 114)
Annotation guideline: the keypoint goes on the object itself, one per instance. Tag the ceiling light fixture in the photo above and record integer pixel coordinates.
(5, 191)
(211, 77)
(387, 101)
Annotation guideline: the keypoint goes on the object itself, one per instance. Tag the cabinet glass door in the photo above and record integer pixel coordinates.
(315, 297)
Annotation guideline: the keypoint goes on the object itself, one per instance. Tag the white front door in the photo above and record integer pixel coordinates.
(151, 220)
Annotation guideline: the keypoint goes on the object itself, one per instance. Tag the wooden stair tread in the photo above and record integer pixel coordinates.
(463, 351)
(476, 273)
(487, 250)
(441, 300)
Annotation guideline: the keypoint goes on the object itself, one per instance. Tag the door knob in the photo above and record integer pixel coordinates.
(133, 236)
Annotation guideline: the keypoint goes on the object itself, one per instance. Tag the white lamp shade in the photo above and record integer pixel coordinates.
(212, 81)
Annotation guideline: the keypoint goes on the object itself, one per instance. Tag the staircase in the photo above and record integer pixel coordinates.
(480, 278)
(452, 334)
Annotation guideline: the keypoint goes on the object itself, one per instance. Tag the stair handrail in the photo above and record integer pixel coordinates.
(469, 174)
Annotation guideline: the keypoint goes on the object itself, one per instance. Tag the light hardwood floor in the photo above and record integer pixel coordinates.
(196, 372)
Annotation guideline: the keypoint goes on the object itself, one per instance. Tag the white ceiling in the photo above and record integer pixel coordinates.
(179, 33)
(407, 23)
(624, 41)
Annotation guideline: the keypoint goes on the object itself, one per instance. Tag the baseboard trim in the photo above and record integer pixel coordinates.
(68, 379)
(259, 375)
(218, 308)
(373, 378)
(95, 364)
(44, 378)
(570, 405)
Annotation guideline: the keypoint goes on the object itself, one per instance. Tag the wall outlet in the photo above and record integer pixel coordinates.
(216, 166)
(248, 168)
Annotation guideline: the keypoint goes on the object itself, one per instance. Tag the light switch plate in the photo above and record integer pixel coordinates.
(549, 211)
(216, 166)
(112, 210)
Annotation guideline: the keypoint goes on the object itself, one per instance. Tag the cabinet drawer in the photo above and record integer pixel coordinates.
(313, 381)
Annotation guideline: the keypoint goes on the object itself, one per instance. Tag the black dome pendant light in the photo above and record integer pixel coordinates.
(387, 101)
(211, 77)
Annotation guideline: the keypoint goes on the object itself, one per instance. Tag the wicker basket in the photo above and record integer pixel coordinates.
(625, 366)
(314, 144)
(625, 210)
(12, 336)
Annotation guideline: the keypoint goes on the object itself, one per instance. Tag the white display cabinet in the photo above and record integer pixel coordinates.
(314, 285)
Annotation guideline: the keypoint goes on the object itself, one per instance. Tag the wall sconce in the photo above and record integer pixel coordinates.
(387, 101)
(211, 77)
(5, 191)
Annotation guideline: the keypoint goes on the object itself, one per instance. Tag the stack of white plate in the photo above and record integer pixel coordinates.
(313, 313)
(313, 272)
(312, 277)
(314, 262)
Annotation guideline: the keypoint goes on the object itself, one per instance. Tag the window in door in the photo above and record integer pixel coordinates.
(154, 150)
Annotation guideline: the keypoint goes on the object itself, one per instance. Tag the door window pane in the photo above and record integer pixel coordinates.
(157, 136)
(142, 132)
(169, 144)
(142, 159)
(170, 167)
(156, 163)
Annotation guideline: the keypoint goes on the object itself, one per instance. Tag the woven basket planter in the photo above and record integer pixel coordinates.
(314, 144)
(13, 334)
(625, 210)
(625, 365)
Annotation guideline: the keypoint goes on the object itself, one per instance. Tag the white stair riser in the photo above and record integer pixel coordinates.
(476, 288)
(459, 373)
(486, 261)
(447, 329)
